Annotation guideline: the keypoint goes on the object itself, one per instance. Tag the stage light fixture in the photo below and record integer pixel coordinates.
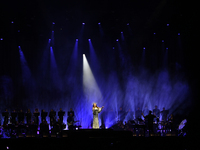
(117, 40)
(167, 24)
(83, 23)
(143, 47)
(18, 46)
(53, 22)
(1, 39)
(89, 39)
(179, 34)
(162, 40)
(99, 23)
(76, 40)
(12, 22)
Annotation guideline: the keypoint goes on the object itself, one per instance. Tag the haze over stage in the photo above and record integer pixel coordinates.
(136, 54)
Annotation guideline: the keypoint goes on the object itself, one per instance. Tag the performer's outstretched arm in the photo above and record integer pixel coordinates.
(100, 109)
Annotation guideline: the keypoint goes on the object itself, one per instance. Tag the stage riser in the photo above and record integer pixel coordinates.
(97, 133)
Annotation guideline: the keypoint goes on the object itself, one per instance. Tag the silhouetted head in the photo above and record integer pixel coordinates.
(60, 109)
(156, 107)
(163, 108)
(70, 109)
(150, 112)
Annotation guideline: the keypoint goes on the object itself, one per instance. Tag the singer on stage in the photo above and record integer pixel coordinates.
(96, 110)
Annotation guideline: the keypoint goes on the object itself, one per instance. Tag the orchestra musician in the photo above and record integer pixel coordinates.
(70, 121)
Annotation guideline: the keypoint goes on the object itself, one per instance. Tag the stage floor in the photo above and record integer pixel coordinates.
(98, 139)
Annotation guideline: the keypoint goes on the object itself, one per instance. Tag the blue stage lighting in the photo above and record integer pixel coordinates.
(89, 39)
(143, 47)
(127, 24)
(53, 22)
(121, 32)
(166, 48)
(113, 47)
(179, 34)
(162, 40)
(154, 33)
(99, 23)
(167, 24)
(76, 40)
(1, 39)
(12, 22)
(117, 40)
(83, 23)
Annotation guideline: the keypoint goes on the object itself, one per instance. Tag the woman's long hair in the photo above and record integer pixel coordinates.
(96, 105)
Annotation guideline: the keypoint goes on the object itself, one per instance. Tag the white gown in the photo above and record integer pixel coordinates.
(96, 111)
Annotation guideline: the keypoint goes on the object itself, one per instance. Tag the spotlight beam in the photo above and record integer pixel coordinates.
(90, 87)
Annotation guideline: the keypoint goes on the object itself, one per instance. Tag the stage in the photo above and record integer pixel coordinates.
(98, 139)
(130, 58)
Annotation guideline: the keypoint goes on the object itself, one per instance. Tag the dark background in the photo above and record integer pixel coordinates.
(34, 21)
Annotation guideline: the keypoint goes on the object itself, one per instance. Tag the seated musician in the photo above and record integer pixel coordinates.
(71, 112)
(70, 121)
(44, 127)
